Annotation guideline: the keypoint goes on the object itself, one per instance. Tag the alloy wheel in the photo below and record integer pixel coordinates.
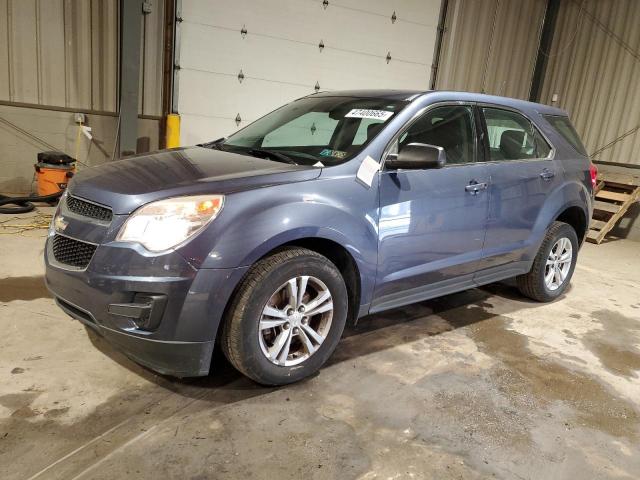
(558, 264)
(295, 321)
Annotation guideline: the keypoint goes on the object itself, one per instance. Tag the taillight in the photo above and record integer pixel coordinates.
(593, 170)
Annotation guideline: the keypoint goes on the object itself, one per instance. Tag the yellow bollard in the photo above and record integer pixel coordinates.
(172, 138)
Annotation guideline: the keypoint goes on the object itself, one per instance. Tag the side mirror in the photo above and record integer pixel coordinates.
(417, 156)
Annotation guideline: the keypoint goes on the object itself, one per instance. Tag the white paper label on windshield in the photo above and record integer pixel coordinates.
(368, 169)
(365, 113)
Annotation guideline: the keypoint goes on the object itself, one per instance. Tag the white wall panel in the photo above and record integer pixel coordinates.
(280, 56)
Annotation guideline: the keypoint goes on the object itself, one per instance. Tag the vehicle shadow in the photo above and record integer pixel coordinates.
(371, 334)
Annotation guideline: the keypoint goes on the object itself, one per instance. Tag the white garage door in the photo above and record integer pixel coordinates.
(240, 59)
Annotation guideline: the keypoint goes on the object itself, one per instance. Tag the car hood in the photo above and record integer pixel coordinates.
(125, 185)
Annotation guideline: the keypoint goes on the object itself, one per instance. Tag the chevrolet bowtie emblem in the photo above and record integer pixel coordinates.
(60, 224)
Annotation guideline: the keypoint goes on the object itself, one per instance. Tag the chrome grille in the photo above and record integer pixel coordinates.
(88, 209)
(72, 252)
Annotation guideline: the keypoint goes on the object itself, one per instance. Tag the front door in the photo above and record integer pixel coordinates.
(432, 222)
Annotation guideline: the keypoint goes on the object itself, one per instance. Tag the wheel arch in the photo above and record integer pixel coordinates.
(569, 203)
(577, 218)
(337, 253)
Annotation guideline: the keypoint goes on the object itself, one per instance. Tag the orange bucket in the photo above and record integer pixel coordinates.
(53, 172)
(53, 178)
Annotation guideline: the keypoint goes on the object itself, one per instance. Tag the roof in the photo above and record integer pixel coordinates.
(410, 95)
(406, 95)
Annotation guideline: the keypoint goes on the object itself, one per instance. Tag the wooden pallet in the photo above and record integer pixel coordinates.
(615, 193)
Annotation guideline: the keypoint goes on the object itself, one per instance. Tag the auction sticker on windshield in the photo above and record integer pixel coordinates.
(366, 113)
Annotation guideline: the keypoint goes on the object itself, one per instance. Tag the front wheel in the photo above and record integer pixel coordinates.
(553, 266)
(286, 318)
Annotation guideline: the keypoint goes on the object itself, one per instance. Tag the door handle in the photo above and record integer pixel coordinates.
(547, 174)
(474, 187)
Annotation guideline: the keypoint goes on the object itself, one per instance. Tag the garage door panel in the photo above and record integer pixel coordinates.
(375, 35)
(254, 56)
(295, 64)
(415, 11)
(280, 58)
(286, 18)
(371, 35)
(368, 72)
(223, 96)
(198, 129)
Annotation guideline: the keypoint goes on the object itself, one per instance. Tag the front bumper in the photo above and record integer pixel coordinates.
(182, 344)
(178, 359)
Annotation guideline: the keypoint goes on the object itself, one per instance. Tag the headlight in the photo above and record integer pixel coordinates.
(162, 225)
(52, 225)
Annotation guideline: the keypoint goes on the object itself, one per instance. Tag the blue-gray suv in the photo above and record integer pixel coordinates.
(330, 208)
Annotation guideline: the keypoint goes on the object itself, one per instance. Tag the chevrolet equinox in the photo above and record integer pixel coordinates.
(330, 208)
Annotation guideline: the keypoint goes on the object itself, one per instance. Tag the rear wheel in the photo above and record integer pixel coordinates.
(286, 317)
(553, 266)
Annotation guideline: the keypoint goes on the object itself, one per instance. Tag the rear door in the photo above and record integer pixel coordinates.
(522, 172)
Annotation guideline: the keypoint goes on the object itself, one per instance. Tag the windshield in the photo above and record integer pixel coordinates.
(319, 131)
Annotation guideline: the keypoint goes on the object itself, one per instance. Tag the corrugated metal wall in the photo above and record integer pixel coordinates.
(62, 56)
(594, 68)
(490, 46)
(64, 53)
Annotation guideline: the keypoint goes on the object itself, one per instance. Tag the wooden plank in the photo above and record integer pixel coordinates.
(597, 224)
(621, 178)
(605, 207)
(597, 236)
(626, 188)
(608, 195)
(593, 236)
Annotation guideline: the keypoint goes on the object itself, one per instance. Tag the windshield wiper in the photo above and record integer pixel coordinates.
(262, 153)
(217, 144)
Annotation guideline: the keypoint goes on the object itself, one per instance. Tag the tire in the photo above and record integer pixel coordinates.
(533, 284)
(249, 347)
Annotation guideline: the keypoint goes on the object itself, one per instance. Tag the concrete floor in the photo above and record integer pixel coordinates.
(481, 384)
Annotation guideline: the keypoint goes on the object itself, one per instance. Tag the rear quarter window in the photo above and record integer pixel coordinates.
(564, 127)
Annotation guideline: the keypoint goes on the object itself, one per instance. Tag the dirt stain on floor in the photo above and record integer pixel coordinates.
(614, 345)
(530, 381)
(23, 288)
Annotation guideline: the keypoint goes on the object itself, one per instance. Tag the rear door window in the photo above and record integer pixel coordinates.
(564, 127)
(512, 136)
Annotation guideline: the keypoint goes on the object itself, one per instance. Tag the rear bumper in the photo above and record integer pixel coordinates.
(182, 343)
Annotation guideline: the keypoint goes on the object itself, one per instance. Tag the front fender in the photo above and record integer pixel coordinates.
(256, 222)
